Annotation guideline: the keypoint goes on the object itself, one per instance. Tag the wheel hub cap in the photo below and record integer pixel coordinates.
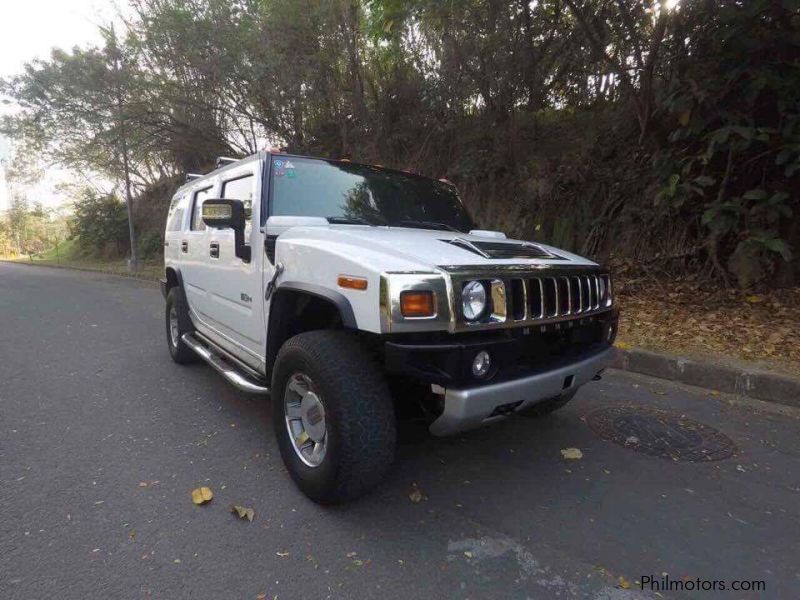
(305, 419)
(313, 416)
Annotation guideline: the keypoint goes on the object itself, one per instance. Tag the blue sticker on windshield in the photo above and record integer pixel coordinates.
(279, 163)
(291, 173)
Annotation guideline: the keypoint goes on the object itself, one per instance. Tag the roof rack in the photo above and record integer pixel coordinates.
(191, 176)
(225, 160)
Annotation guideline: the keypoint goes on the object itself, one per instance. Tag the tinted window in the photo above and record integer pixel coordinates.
(200, 196)
(348, 192)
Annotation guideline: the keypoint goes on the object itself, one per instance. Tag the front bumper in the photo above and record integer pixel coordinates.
(467, 408)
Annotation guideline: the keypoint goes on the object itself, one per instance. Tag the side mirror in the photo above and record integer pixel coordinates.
(224, 213)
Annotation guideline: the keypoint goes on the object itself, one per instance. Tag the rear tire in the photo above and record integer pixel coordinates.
(178, 323)
(547, 407)
(328, 373)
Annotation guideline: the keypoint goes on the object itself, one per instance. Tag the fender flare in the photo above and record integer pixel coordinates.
(334, 297)
(165, 287)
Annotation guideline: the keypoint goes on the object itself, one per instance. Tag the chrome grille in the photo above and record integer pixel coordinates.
(563, 295)
(534, 299)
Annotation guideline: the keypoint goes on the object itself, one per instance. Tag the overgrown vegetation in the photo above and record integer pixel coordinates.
(28, 230)
(663, 136)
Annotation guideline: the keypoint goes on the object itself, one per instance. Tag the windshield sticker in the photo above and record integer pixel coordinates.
(280, 173)
(289, 164)
(291, 173)
(278, 163)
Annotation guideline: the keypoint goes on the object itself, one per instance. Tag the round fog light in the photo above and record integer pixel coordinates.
(481, 364)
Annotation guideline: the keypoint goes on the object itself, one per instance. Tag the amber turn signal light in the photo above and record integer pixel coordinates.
(417, 304)
(353, 283)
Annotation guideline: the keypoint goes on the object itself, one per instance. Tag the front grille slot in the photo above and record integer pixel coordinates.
(575, 294)
(605, 295)
(586, 292)
(535, 294)
(517, 296)
(550, 297)
(564, 301)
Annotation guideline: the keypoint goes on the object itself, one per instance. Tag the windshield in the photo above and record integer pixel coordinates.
(350, 193)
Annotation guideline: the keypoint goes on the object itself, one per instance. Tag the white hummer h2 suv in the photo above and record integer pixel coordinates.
(351, 292)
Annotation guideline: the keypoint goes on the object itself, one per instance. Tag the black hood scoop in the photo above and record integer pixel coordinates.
(503, 250)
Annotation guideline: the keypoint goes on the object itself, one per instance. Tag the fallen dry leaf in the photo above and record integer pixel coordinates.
(243, 512)
(572, 453)
(415, 495)
(624, 583)
(202, 495)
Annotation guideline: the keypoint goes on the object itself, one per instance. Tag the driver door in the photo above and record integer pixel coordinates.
(235, 289)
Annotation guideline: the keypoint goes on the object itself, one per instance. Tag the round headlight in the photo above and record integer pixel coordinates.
(473, 300)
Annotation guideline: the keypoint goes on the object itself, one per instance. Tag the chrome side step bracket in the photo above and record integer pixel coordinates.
(228, 371)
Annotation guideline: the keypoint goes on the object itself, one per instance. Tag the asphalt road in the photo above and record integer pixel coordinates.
(102, 438)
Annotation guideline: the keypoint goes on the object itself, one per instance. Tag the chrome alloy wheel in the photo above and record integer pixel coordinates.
(173, 327)
(305, 419)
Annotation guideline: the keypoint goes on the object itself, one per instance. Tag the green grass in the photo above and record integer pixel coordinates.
(68, 256)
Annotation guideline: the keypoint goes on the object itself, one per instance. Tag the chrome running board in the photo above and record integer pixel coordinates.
(228, 371)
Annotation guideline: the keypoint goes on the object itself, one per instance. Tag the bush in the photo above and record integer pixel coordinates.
(100, 224)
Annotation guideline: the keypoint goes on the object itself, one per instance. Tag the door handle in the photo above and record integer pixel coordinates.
(214, 249)
(184, 246)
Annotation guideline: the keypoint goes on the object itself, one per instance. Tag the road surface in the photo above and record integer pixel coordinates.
(103, 437)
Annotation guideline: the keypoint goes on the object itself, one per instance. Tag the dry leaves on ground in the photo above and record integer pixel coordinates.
(243, 512)
(202, 495)
(416, 494)
(572, 453)
(684, 317)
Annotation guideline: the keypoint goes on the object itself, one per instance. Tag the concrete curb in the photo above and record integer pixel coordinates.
(742, 381)
(137, 276)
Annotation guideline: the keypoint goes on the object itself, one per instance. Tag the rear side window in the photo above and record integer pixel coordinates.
(200, 196)
(240, 189)
(177, 209)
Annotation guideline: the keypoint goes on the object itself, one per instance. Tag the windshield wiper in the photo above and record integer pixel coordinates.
(429, 225)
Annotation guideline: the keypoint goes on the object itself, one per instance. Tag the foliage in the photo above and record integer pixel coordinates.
(28, 230)
(733, 157)
(100, 224)
(632, 131)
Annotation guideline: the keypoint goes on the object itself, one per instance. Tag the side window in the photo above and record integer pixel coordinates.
(241, 189)
(200, 196)
(177, 208)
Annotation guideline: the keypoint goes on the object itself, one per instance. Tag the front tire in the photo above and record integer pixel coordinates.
(333, 416)
(178, 323)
